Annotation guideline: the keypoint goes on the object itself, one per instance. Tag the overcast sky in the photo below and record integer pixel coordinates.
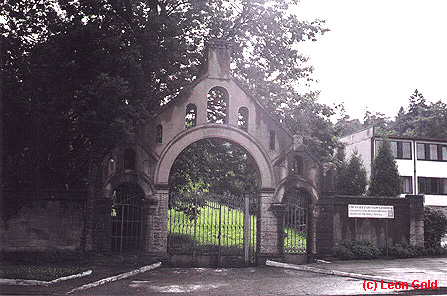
(378, 52)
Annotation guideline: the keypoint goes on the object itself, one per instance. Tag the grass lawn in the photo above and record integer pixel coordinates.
(181, 231)
(47, 266)
(205, 229)
(37, 272)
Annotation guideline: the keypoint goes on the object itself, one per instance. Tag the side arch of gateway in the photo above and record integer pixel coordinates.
(145, 159)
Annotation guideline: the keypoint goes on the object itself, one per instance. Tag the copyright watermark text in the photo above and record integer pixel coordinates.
(374, 285)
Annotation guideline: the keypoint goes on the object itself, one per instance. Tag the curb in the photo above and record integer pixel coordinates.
(332, 272)
(115, 278)
(23, 282)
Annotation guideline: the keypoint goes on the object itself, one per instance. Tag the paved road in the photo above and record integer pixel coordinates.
(261, 280)
(245, 281)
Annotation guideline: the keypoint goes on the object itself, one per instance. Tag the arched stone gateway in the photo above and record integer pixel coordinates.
(217, 106)
(206, 131)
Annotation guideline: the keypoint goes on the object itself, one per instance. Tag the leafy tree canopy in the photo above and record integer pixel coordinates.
(419, 119)
(80, 75)
(214, 166)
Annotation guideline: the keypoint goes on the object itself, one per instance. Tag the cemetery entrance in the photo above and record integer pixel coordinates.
(213, 229)
(211, 216)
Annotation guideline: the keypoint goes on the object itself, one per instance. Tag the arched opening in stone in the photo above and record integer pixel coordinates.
(242, 118)
(212, 204)
(159, 134)
(296, 202)
(127, 222)
(217, 105)
(214, 166)
(297, 165)
(190, 116)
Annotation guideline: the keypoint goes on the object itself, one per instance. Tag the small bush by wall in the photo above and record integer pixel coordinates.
(435, 226)
(351, 250)
(406, 251)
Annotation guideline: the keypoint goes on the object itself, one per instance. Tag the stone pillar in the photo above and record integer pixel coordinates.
(324, 219)
(102, 224)
(267, 236)
(157, 223)
(416, 217)
(93, 192)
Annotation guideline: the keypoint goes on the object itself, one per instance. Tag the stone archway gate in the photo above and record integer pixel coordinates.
(217, 107)
(220, 228)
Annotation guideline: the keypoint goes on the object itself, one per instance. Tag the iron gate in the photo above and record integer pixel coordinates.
(217, 224)
(295, 221)
(126, 218)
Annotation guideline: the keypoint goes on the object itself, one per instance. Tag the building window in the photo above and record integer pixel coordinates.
(272, 143)
(159, 134)
(399, 149)
(217, 104)
(190, 116)
(393, 146)
(422, 185)
(298, 165)
(111, 166)
(420, 151)
(407, 185)
(432, 185)
(433, 152)
(444, 186)
(444, 153)
(242, 118)
(404, 150)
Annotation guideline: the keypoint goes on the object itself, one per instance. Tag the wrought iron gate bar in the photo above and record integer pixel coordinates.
(217, 221)
(127, 218)
(295, 222)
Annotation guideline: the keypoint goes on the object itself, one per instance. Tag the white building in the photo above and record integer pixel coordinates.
(422, 163)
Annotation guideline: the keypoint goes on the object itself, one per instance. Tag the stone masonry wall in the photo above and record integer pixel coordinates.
(334, 225)
(42, 223)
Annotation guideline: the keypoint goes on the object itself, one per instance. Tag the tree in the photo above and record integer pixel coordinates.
(306, 117)
(435, 227)
(385, 179)
(345, 125)
(351, 178)
(428, 120)
(81, 75)
(214, 166)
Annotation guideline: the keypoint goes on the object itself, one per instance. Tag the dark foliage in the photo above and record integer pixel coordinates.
(214, 166)
(80, 77)
(435, 226)
(351, 250)
(385, 179)
(351, 178)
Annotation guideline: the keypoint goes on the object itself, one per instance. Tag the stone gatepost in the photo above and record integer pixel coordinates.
(92, 223)
(416, 213)
(324, 222)
(157, 222)
(268, 235)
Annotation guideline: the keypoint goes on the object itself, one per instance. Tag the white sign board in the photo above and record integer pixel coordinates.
(370, 211)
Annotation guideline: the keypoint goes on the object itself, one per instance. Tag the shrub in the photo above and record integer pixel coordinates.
(406, 251)
(349, 250)
(435, 226)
